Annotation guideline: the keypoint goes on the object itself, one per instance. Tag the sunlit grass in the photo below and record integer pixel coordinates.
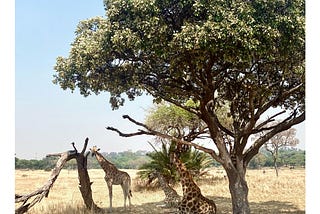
(267, 193)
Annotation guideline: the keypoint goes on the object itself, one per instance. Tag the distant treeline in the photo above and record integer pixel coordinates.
(286, 157)
(133, 160)
(122, 160)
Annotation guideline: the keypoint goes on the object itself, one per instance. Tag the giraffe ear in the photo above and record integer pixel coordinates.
(98, 149)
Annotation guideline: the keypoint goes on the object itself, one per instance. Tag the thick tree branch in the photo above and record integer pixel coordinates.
(260, 128)
(193, 134)
(224, 129)
(274, 101)
(140, 132)
(284, 125)
(135, 122)
(84, 146)
(150, 131)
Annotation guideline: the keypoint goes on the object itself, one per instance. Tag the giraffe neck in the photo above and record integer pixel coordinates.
(185, 177)
(163, 184)
(104, 163)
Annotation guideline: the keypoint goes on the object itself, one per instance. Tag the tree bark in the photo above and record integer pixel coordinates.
(239, 191)
(275, 165)
(84, 182)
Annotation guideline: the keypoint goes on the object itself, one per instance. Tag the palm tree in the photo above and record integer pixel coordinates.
(194, 160)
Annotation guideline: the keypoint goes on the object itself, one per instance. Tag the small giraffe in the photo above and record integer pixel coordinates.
(192, 201)
(172, 198)
(113, 176)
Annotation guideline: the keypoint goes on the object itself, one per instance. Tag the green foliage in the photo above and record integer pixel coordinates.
(162, 47)
(127, 159)
(287, 157)
(45, 163)
(292, 157)
(194, 160)
(245, 56)
(173, 120)
(159, 161)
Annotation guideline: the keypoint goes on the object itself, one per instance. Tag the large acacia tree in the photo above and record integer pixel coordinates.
(247, 56)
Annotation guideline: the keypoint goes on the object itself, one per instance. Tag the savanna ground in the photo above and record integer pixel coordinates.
(267, 193)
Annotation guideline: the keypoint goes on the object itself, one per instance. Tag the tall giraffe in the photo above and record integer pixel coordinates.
(113, 176)
(171, 196)
(192, 201)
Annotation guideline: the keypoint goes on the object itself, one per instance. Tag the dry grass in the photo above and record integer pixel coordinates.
(267, 193)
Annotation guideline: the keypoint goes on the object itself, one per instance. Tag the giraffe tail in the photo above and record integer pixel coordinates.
(130, 193)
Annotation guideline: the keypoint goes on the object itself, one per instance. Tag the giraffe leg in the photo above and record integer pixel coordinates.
(129, 197)
(110, 197)
(109, 184)
(128, 189)
(126, 194)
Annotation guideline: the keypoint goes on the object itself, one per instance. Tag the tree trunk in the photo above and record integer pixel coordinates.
(239, 191)
(84, 182)
(275, 165)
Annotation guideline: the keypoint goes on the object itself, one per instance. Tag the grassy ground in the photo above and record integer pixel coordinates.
(267, 193)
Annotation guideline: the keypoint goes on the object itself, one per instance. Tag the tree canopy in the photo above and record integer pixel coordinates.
(247, 56)
(178, 50)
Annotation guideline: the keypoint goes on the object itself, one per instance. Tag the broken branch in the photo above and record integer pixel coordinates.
(44, 190)
(84, 180)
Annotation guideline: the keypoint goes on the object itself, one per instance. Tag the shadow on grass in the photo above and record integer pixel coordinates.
(223, 206)
(275, 207)
(146, 208)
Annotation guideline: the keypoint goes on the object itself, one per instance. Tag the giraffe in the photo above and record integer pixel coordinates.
(171, 196)
(192, 201)
(113, 176)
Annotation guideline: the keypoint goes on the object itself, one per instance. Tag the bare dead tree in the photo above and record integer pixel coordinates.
(84, 181)
(281, 140)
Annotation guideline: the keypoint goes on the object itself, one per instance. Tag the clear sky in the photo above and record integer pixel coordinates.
(47, 118)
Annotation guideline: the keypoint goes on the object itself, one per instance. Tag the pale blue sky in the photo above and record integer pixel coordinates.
(47, 118)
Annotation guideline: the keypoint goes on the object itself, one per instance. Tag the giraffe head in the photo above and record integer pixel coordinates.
(177, 151)
(152, 176)
(94, 150)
